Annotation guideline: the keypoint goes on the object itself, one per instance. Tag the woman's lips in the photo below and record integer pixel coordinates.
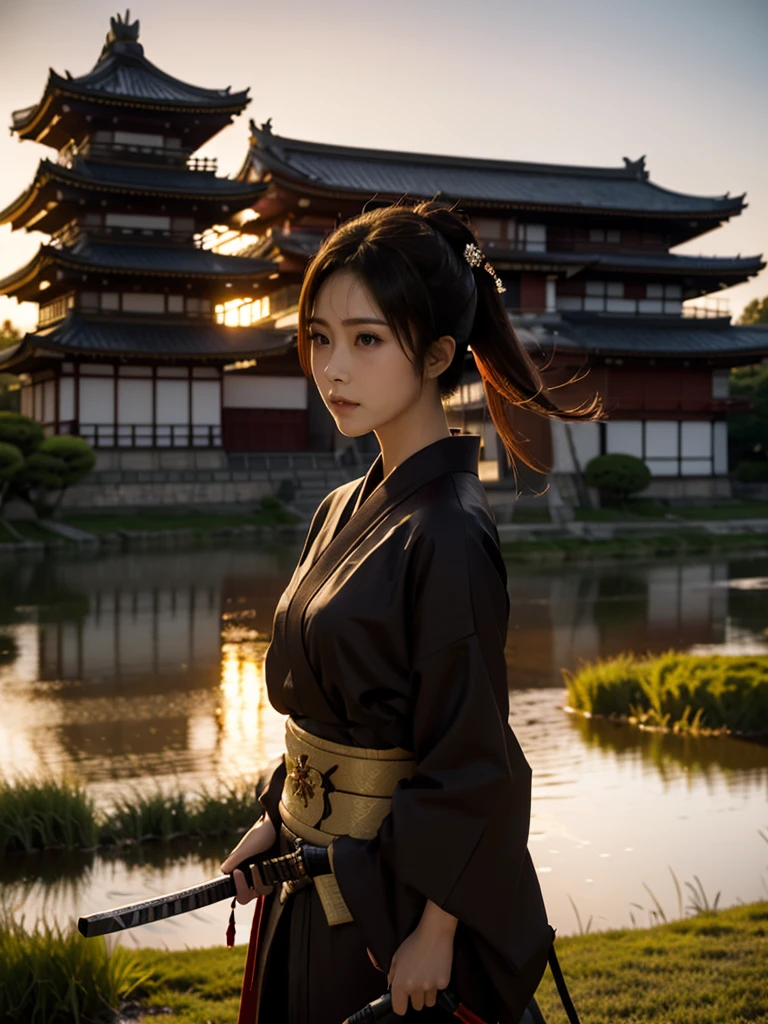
(344, 406)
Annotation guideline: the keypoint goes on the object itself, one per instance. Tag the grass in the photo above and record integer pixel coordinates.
(51, 977)
(639, 511)
(47, 814)
(708, 969)
(631, 548)
(705, 969)
(679, 692)
(153, 521)
(702, 970)
(43, 814)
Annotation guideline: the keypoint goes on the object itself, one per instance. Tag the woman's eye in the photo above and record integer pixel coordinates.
(371, 337)
(317, 339)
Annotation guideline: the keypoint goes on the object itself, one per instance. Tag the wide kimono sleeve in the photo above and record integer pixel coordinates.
(457, 831)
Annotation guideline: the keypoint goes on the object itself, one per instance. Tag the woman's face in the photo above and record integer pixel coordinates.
(356, 356)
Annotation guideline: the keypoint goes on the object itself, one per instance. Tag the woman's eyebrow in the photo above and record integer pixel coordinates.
(351, 321)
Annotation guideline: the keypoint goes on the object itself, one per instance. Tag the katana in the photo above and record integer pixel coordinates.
(305, 861)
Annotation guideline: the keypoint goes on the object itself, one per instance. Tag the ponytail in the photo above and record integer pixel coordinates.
(510, 377)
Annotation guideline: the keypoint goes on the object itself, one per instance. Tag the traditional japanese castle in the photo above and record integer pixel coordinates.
(168, 294)
(128, 351)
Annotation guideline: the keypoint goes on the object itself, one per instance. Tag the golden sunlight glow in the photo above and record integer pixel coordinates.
(242, 312)
(243, 692)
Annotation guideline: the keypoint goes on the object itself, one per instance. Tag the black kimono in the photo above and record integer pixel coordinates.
(391, 633)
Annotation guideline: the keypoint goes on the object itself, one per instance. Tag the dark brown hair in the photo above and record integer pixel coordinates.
(411, 259)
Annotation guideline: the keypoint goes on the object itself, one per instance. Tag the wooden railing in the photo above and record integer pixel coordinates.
(133, 435)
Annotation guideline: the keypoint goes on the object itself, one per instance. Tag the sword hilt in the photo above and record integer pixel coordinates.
(305, 861)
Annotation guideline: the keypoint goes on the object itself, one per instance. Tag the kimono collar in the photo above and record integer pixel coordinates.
(455, 454)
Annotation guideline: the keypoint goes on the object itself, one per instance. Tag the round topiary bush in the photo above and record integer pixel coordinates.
(22, 431)
(617, 476)
(59, 462)
(11, 461)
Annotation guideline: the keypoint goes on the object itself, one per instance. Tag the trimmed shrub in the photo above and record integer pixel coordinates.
(22, 431)
(752, 472)
(617, 476)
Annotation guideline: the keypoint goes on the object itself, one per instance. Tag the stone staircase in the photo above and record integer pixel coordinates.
(300, 479)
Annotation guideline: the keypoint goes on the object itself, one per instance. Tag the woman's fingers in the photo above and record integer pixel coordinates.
(418, 997)
(244, 893)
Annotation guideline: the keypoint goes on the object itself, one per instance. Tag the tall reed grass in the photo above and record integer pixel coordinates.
(52, 977)
(47, 813)
(36, 815)
(681, 692)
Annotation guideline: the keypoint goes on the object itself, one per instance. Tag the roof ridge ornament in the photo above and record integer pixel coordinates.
(636, 167)
(122, 36)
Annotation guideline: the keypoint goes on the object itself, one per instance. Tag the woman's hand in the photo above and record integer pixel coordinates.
(258, 840)
(422, 963)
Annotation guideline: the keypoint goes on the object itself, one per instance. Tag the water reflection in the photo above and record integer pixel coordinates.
(149, 668)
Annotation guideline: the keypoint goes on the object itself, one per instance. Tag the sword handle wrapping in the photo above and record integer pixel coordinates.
(305, 861)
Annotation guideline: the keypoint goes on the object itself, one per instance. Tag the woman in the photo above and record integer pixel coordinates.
(388, 657)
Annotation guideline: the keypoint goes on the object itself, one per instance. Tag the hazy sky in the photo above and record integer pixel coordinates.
(684, 82)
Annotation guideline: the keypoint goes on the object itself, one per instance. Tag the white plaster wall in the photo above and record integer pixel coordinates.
(586, 440)
(251, 392)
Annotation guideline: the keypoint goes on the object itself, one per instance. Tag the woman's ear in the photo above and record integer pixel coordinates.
(439, 355)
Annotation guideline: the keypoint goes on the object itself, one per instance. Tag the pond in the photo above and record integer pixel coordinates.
(133, 670)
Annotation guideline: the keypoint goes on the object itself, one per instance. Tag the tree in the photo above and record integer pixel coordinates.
(755, 312)
(748, 431)
(38, 469)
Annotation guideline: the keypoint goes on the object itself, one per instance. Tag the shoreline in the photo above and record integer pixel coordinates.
(527, 542)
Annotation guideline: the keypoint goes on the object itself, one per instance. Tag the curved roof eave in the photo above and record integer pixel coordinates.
(197, 97)
(271, 150)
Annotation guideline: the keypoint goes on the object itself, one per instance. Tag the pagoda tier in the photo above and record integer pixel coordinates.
(146, 338)
(83, 189)
(124, 340)
(124, 86)
(55, 271)
(154, 384)
(323, 175)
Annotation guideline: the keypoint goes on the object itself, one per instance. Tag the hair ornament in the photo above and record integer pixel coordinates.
(474, 256)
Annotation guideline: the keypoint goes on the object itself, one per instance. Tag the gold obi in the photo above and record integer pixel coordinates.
(333, 790)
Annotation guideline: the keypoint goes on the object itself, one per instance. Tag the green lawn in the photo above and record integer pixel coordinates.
(639, 511)
(707, 969)
(141, 521)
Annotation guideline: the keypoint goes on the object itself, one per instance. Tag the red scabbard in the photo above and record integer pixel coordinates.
(249, 994)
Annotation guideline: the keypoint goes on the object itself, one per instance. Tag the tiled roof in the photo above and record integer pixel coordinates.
(648, 336)
(304, 244)
(77, 335)
(666, 262)
(154, 179)
(139, 259)
(126, 74)
(321, 166)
